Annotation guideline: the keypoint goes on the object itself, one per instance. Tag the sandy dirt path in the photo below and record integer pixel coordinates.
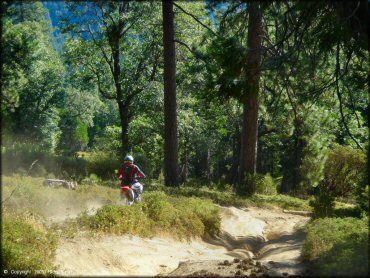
(269, 237)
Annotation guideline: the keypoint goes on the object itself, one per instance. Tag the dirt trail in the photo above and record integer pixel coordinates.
(261, 237)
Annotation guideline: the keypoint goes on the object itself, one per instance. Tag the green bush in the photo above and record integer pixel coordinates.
(323, 204)
(92, 179)
(157, 213)
(338, 246)
(363, 198)
(207, 213)
(26, 244)
(103, 164)
(345, 171)
(19, 157)
(265, 184)
(118, 220)
(155, 205)
(344, 175)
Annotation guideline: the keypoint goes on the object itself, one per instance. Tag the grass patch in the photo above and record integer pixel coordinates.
(338, 246)
(27, 244)
(229, 198)
(30, 193)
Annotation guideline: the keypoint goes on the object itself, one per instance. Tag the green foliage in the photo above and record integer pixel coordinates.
(27, 244)
(103, 164)
(117, 220)
(345, 171)
(323, 204)
(229, 198)
(108, 140)
(92, 179)
(157, 213)
(34, 75)
(74, 136)
(265, 184)
(344, 175)
(352, 211)
(53, 105)
(364, 199)
(338, 246)
(19, 157)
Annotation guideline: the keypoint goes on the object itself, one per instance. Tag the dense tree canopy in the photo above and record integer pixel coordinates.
(102, 91)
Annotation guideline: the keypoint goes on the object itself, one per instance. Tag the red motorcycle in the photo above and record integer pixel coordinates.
(129, 195)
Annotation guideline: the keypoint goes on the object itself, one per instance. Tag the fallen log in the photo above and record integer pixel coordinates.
(60, 183)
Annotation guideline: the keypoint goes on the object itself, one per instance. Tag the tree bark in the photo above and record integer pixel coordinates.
(232, 175)
(170, 116)
(123, 112)
(248, 152)
(292, 176)
(122, 105)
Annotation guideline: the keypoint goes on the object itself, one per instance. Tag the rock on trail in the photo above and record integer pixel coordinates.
(254, 241)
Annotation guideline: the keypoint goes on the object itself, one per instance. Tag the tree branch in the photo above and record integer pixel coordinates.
(191, 50)
(101, 91)
(109, 62)
(196, 19)
(337, 70)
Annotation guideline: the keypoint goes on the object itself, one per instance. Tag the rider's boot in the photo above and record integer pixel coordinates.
(138, 198)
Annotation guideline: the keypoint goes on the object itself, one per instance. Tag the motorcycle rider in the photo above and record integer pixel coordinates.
(128, 174)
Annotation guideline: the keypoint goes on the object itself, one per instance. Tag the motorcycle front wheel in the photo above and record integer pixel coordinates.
(127, 197)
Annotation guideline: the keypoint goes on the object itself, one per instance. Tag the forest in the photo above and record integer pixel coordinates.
(235, 97)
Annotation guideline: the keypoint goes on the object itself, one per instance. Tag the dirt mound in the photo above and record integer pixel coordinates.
(130, 255)
(254, 240)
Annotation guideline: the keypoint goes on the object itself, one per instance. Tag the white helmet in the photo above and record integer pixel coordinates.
(129, 159)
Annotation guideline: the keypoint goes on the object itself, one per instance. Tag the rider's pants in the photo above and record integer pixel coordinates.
(138, 187)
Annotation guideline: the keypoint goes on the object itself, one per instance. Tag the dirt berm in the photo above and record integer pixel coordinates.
(253, 242)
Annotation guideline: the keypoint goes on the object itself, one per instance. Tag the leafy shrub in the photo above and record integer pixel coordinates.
(155, 205)
(91, 180)
(180, 217)
(338, 246)
(345, 170)
(68, 167)
(323, 204)
(344, 174)
(26, 244)
(352, 211)
(108, 140)
(208, 214)
(38, 171)
(19, 157)
(364, 198)
(118, 220)
(265, 184)
(103, 164)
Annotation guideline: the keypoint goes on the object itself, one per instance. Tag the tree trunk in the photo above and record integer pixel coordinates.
(292, 176)
(170, 117)
(122, 105)
(123, 112)
(248, 152)
(232, 175)
(209, 166)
